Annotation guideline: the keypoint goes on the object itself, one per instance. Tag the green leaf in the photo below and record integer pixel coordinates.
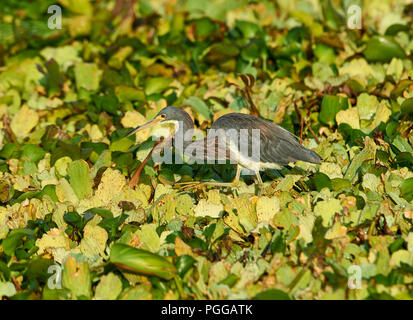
(183, 264)
(367, 106)
(367, 153)
(87, 76)
(320, 181)
(318, 233)
(50, 190)
(248, 29)
(116, 61)
(109, 287)
(65, 149)
(104, 213)
(325, 53)
(338, 184)
(395, 28)
(208, 231)
(141, 261)
(230, 280)
(205, 27)
(7, 289)
(407, 107)
(199, 106)
(219, 52)
(5, 270)
(78, 6)
(74, 219)
(6, 191)
(107, 103)
(121, 145)
(14, 239)
(272, 294)
(400, 87)
(37, 269)
(77, 278)
(8, 150)
(79, 179)
(285, 219)
(326, 209)
(382, 49)
(111, 225)
(406, 187)
(156, 85)
(333, 18)
(33, 152)
(54, 80)
(125, 93)
(104, 160)
(329, 108)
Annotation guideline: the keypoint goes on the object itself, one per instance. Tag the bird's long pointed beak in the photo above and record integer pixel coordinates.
(149, 124)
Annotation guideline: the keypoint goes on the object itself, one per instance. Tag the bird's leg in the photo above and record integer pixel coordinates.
(237, 175)
(259, 182)
(195, 184)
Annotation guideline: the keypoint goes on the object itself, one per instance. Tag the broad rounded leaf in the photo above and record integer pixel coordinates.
(382, 49)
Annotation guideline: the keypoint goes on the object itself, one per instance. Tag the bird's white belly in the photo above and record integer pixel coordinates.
(251, 163)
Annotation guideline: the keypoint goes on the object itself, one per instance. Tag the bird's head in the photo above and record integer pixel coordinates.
(166, 115)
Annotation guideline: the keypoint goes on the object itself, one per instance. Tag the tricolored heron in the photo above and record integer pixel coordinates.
(278, 147)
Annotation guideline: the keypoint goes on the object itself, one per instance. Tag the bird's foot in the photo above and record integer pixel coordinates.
(189, 185)
(258, 189)
(185, 186)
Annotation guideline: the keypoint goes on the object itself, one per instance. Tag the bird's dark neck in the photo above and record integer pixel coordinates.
(184, 132)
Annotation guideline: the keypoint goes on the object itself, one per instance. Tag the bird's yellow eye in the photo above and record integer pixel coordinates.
(163, 116)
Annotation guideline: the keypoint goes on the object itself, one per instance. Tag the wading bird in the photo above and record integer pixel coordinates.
(277, 146)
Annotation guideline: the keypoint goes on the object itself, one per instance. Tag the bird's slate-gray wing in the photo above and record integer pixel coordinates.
(277, 145)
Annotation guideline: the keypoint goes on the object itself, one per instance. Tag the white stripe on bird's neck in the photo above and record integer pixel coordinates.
(164, 131)
(175, 123)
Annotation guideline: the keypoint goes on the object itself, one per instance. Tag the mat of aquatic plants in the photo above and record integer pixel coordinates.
(76, 77)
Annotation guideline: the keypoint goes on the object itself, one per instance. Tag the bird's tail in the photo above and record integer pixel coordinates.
(308, 155)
